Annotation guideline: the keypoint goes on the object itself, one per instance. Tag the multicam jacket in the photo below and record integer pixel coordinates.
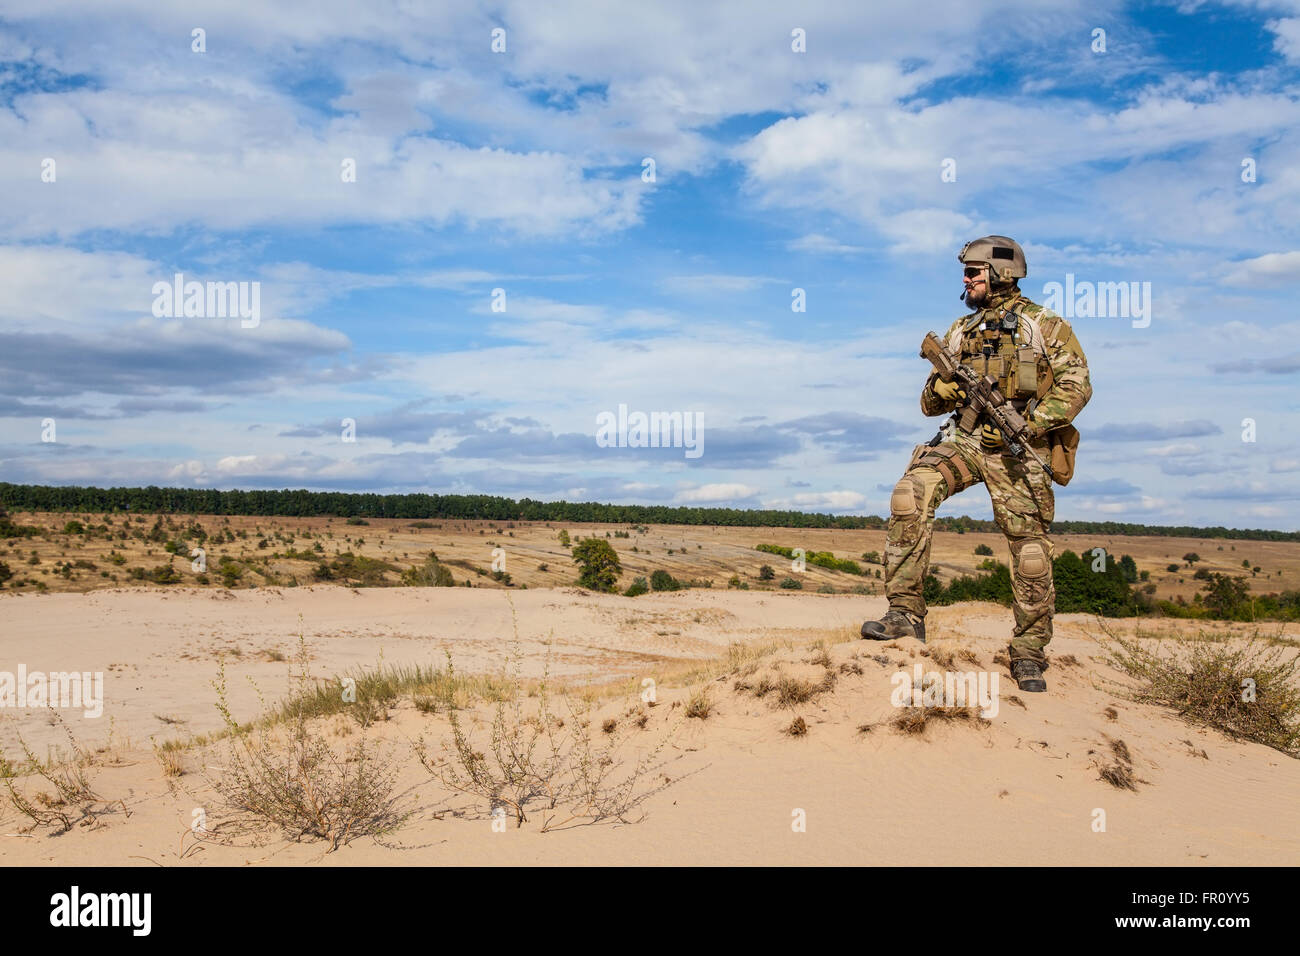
(1031, 351)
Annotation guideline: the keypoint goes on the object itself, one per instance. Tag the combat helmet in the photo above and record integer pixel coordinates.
(1003, 256)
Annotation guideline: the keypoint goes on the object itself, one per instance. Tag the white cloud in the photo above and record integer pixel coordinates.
(714, 284)
(818, 244)
(1272, 268)
(824, 500)
(716, 492)
(1286, 38)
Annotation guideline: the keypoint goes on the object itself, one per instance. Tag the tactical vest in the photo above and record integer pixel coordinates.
(1001, 343)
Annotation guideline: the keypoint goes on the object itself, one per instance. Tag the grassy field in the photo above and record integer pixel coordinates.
(78, 552)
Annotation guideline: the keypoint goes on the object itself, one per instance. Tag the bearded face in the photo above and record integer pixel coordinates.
(977, 286)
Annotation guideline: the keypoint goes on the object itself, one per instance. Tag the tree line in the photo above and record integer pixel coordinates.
(303, 504)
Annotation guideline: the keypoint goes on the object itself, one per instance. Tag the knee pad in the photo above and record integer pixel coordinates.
(1033, 560)
(902, 503)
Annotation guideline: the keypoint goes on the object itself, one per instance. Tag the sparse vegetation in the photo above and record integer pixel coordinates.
(66, 798)
(431, 574)
(290, 778)
(1247, 692)
(533, 755)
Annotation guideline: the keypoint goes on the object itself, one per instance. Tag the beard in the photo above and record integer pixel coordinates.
(977, 295)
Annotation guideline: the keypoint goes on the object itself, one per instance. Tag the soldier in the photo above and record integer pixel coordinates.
(1041, 370)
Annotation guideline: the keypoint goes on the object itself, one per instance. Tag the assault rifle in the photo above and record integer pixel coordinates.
(983, 400)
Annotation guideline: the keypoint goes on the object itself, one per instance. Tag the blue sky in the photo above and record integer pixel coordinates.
(522, 171)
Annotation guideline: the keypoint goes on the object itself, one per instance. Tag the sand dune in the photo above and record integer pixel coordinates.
(1022, 788)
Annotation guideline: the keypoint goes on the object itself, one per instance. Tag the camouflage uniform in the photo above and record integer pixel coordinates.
(1021, 492)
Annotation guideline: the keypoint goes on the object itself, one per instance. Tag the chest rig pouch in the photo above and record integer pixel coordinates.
(991, 345)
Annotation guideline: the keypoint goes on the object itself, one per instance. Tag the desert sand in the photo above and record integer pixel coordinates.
(1025, 787)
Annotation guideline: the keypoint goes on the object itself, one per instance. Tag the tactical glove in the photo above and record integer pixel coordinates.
(990, 438)
(949, 391)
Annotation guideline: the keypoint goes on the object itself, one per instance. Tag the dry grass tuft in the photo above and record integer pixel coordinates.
(915, 720)
(171, 758)
(797, 728)
(1119, 772)
(823, 656)
(794, 690)
(700, 704)
(943, 656)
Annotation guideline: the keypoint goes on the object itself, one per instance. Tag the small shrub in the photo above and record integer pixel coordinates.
(661, 580)
(1248, 692)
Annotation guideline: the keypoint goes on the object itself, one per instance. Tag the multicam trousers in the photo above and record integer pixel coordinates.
(1023, 507)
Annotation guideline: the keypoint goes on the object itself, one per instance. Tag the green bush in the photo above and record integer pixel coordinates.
(822, 559)
(431, 574)
(661, 580)
(792, 584)
(10, 530)
(765, 573)
(637, 587)
(164, 574)
(1079, 589)
(983, 549)
(358, 570)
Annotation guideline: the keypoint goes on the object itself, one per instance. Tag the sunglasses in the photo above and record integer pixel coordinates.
(972, 271)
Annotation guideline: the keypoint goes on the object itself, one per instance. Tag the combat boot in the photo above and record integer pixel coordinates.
(895, 623)
(1028, 676)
